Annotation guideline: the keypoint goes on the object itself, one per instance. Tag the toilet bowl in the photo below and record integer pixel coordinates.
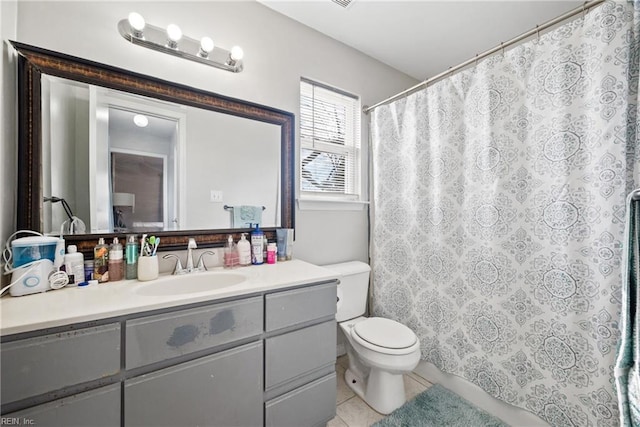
(380, 350)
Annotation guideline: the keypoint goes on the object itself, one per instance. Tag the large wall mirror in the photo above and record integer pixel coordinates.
(106, 152)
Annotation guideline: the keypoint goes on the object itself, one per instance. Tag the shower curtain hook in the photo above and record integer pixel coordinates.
(502, 48)
(476, 59)
(538, 32)
(584, 9)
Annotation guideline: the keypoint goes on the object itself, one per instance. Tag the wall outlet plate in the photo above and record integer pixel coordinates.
(216, 196)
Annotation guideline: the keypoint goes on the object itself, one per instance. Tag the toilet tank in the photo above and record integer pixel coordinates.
(352, 290)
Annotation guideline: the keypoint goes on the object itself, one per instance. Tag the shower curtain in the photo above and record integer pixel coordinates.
(498, 211)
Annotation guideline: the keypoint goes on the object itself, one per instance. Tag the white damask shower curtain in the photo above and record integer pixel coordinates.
(498, 215)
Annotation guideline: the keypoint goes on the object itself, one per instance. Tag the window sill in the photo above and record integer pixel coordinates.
(331, 205)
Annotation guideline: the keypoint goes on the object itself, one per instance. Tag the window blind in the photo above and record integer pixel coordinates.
(330, 141)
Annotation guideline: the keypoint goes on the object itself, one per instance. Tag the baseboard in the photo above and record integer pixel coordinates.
(510, 414)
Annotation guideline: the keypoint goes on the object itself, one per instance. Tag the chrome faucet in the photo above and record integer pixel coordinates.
(178, 268)
(190, 265)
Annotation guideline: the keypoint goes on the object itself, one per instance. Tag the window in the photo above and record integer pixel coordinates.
(329, 143)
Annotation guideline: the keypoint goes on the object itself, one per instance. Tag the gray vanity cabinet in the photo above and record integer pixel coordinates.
(300, 356)
(263, 359)
(224, 389)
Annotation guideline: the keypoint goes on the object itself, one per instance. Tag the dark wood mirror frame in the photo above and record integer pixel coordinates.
(34, 61)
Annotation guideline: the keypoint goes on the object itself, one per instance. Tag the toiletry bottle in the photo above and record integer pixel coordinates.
(131, 257)
(281, 235)
(101, 261)
(272, 250)
(88, 270)
(257, 246)
(289, 248)
(74, 265)
(265, 244)
(244, 250)
(230, 254)
(116, 261)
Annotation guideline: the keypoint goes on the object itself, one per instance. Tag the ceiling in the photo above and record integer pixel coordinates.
(422, 38)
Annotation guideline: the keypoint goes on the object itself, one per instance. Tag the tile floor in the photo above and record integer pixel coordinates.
(353, 412)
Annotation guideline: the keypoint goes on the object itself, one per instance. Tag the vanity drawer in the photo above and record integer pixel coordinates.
(223, 389)
(35, 366)
(96, 408)
(289, 308)
(164, 336)
(296, 353)
(311, 405)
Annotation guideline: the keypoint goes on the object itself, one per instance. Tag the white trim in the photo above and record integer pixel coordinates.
(317, 204)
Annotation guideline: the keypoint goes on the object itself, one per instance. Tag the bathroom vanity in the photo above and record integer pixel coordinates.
(259, 352)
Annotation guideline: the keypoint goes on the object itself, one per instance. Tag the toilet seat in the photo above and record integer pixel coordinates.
(384, 336)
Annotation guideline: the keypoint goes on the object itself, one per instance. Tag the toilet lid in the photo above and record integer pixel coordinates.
(385, 333)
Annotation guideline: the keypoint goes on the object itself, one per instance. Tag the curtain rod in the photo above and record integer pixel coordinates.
(580, 9)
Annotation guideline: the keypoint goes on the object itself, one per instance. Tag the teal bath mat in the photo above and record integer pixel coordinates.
(437, 407)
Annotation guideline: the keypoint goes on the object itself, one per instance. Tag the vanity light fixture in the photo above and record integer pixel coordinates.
(136, 22)
(174, 34)
(206, 46)
(172, 41)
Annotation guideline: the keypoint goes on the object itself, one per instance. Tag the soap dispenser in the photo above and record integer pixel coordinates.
(230, 254)
(244, 250)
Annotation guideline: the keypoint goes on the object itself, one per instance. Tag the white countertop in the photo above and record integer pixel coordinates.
(81, 304)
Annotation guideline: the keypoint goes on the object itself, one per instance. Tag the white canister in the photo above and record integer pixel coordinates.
(148, 268)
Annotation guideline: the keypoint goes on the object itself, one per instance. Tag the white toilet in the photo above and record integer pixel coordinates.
(380, 350)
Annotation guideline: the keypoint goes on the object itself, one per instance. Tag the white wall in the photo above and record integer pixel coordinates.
(278, 51)
(8, 130)
(250, 179)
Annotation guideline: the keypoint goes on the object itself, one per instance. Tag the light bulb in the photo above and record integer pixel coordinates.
(206, 46)
(140, 120)
(136, 21)
(237, 53)
(174, 33)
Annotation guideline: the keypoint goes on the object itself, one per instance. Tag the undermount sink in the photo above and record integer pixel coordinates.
(190, 283)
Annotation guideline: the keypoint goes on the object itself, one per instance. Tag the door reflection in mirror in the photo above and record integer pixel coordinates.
(143, 164)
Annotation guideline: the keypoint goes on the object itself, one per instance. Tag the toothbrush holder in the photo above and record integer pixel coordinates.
(148, 268)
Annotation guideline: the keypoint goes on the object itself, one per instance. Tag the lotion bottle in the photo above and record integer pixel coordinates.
(116, 261)
(244, 250)
(74, 265)
(272, 250)
(100, 261)
(131, 258)
(257, 246)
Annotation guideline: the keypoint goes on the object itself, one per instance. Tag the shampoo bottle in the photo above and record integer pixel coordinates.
(100, 261)
(244, 250)
(257, 246)
(74, 265)
(116, 261)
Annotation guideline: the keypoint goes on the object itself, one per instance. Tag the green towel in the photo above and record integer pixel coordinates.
(244, 216)
(627, 370)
